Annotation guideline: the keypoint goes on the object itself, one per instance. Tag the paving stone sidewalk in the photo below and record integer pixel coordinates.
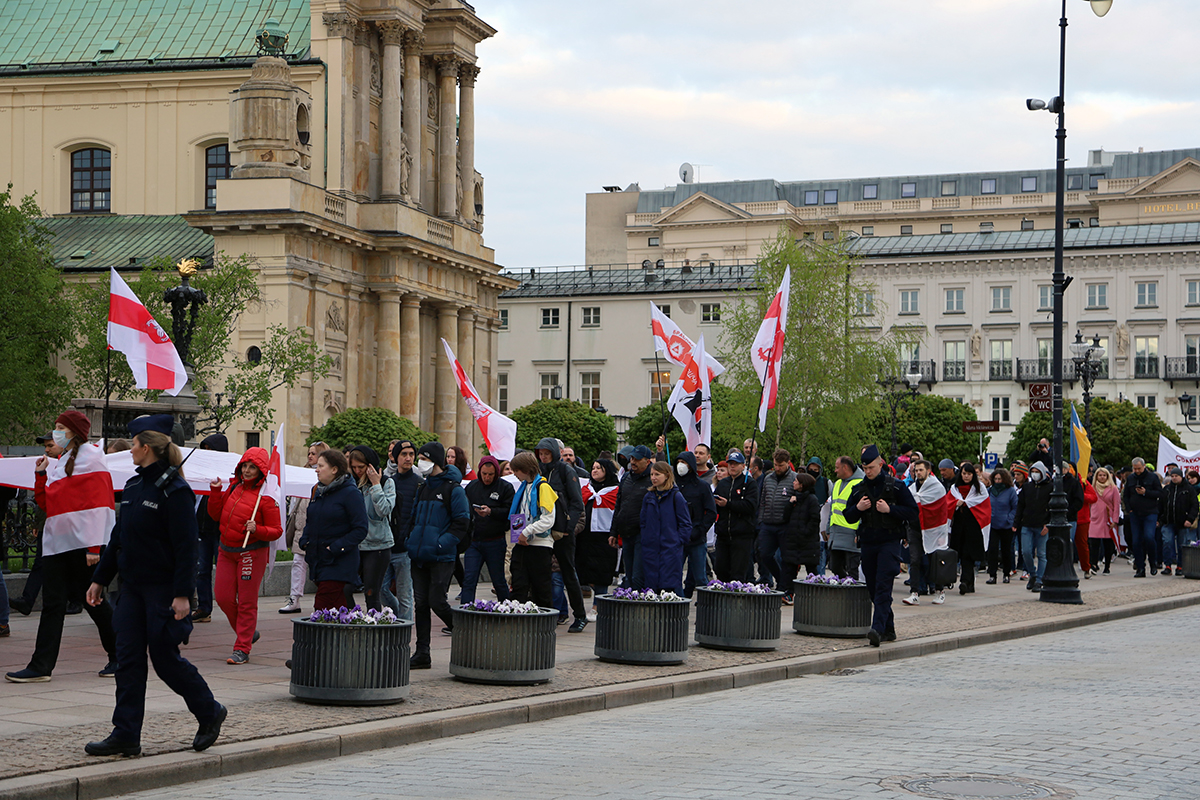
(45, 725)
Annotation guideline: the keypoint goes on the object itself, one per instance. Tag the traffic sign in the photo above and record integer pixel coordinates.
(991, 460)
(980, 426)
(1041, 397)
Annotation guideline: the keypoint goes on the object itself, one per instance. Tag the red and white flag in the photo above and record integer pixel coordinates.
(273, 485)
(767, 351)
(79, 507)
(132, 330)
(674, 343)
(980, 504)
(935, 511)
(499, 432)
(691, 402)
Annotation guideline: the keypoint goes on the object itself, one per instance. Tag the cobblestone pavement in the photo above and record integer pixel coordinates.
(1094, 712)
(44, 726)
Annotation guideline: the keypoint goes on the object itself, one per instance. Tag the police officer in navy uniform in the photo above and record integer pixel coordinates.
(153, 546)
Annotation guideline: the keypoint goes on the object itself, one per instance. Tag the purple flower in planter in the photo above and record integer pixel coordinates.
(829, 580)
(644, 595)
(505, 607)
(739, 587)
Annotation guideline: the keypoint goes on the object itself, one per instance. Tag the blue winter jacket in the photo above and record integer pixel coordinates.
(435, 534)
(1004, 507)
(666, 528)
(337, 524)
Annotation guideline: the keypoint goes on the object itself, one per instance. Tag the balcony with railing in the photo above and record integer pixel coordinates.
(1182, 368)
(1040, 370)
(1000, 369)
(1145, 367)
(926, 369)
(954, 370)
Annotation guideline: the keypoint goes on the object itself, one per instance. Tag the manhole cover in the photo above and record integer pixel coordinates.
(978, 787)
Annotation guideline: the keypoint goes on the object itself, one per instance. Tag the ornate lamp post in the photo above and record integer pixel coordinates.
(185, 302)
(1086, 356)
(897, 400)
(1060, 584)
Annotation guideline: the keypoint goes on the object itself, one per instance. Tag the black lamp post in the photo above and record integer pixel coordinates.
(897, 400)
(1060, 584)
(1186, 409)
(1086, 356)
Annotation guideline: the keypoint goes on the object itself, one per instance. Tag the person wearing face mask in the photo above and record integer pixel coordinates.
(1031, 519)
(297, 518)
(399, 574)
(490, 499)
(666, 528)
(336, 524)
(702, 510)
(816, 468)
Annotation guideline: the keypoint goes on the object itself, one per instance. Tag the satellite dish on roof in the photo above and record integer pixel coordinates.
(687, 173)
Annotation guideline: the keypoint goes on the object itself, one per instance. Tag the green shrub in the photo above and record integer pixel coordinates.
(374, 427)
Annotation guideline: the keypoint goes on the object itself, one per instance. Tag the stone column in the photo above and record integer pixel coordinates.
(362, 112)
(446, 390)
(353, 343)
(410, 358)
(341, 28)
(447, 183)
(465, 350)
(413, 42)
(388, 342)
(467, 73)
(392, 33)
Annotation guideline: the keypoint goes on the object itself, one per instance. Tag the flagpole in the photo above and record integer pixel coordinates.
(662, 404)
(761, 395)
(107, 394)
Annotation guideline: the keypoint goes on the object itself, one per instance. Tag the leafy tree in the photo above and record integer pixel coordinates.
(374, 427)
(646, 427)
(578, 425)
(1119, 433)
(931, 424)
(34, 323)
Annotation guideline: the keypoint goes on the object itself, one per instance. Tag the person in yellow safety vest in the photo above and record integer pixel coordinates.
(840, 533)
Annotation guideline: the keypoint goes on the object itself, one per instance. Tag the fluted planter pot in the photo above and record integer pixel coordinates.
(842, 612)
(738, 620)
(1189, 561)
(350, 665)
(506, 649)
(641, 632)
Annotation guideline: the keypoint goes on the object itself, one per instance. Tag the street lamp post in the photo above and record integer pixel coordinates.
(1086, 356)
(1060, 584)
(897, 400)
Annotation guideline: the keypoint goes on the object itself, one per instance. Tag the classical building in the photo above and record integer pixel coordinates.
(962, 262)
(345, 167)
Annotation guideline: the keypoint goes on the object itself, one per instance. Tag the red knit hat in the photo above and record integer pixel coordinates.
(76, 422)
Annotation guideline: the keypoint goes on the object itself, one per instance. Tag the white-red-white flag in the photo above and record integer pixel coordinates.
(273, 485)
(767, 351)
(691, 402)
(674, 343)
(499, 432)
(132, 330)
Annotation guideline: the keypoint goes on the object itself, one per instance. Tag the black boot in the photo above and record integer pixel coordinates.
(112, 747)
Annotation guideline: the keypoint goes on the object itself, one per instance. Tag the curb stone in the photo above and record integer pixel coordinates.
(122, 776)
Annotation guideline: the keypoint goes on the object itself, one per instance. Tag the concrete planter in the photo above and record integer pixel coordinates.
(843, 612)
(505, 649)
(738, 620)
(1189, 561)
(350, 665)
(639, 632)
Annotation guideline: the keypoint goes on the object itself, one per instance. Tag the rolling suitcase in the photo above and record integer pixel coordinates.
(943, 568)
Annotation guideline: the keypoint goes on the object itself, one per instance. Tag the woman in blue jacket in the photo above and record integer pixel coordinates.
(666, 528)
(1004, 512)
(337, 524)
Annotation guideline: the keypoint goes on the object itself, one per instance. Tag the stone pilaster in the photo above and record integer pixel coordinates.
(447, 69)
(341, 27)
(388, 342)
(414, 41)
(467, 74)
(445, 422)
(410, 358)
(392, 34)
(362, 112)
(465, 350)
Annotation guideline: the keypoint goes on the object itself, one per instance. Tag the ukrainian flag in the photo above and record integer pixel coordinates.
(1081, 447)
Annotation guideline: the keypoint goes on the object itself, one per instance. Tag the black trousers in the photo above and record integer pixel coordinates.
(733, 557)
(145, 623)
(844, 563)
(372, 566)
(33, 581)
(66, 578)
(881, 565)
(1104, 546)
(530, 565)
(431, 581)
(1000, 550)
(564, 550)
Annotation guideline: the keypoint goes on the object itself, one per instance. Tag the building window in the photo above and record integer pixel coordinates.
(987, 227)
(810, 197)
(665, 309)
(652, 241)
(908, 190)
(954, 368)
(591, 316)
(864, 304)
(1193, 293)
(1148, 401)
(947, 227)
(1145, 356)
(1045, 298)
(828, 236)
(549, 317)
(1075, 222)
(906, 230)
(660, 382)
(954, 301)
(504, 319)
(987, 186)
(710, 312)
(1074, 182)
(868, 230)
(1000, 412)
(549, 382)
(1094, 181)
(1001, 298)
(909, 301)
(252, 439)
(1147, 294)
(1029, 184)
(870, 191)
(1093, 222)
(502, 392)
(1191, 349)
(1097, 294)
(91, 180)
(949, 188)
(1026, 224)
(216, 167)
(1000, 365)
(831, 197)
(590, 389)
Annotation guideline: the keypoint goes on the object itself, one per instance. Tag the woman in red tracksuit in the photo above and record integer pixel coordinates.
(241, 561)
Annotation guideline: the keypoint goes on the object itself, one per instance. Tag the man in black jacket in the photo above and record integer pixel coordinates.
(1177, 511)
(408, 484)
(627, 516)
(1142, 490)
(563, 480)
(703, 512)
(736, 497)
(1033, 514)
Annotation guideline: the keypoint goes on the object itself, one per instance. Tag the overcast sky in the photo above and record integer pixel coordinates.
(575, 96)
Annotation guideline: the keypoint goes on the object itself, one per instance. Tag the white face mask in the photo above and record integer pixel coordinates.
(1035, 476)
(424, 467)
(61, 439)
(681, 469)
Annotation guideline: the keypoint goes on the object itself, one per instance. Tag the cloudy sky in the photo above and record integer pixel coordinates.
(575, 96)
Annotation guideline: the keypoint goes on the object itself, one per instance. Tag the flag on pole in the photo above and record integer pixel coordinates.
(132, 330)
(674, 343)
(1081, 446)
(273, 485)
(691, 402)
(767, 350)
(499, 432)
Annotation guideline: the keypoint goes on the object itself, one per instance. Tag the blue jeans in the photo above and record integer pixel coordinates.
(1174, 538)
(560, 593)
(696, 556)
(400, 570)
(478, 554)
(631, 562)
(3, 601)
(1141, 529)
(1031, 540)
(824, 559)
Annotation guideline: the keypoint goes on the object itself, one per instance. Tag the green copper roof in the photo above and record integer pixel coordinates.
(56, 31)
(87, 242)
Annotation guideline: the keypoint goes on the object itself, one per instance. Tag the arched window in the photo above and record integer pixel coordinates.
(91, 180)
(216, 167)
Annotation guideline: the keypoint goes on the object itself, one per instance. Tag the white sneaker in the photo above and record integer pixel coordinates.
(292, 606)
(591, 616)
(941, 598)
(912, 600)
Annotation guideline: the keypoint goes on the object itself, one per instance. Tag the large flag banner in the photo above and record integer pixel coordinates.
(674, 343)
(1169, 454)
(132, 330)
(691, 402)
(935, 514)
(1081, 446)
(499, 432)
(84, 513)
(767, 351)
